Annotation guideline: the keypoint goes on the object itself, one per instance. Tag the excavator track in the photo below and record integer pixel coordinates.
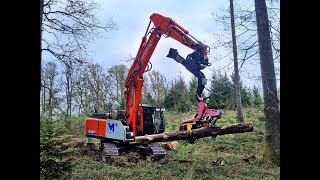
(154, 150)
(157, 151)
(110, 150)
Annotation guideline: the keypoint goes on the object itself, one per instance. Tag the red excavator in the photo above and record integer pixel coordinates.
(139, 119)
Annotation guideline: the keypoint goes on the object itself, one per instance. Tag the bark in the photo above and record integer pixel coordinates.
(69, 85)
(271, 102)
(236, 68)
(41, 14)
(195, 133)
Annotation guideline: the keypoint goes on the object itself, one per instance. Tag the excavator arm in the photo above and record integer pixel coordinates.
(133, 85)
(170, 28)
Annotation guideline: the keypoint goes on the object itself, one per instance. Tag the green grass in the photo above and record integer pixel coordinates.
(219, 158)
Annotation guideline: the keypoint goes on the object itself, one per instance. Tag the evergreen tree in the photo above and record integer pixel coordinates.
(178, 97)
(246, 96)
(193, 83)
(256, 97)
(148, 99)
(222, 90)
(52, 165)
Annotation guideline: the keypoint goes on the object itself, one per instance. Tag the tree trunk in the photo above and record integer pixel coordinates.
(43, 99)
(195, 133)
(236, 69)
(68, 93)
(69, 87)
(41, 13)
(50, 103)
(271, 103)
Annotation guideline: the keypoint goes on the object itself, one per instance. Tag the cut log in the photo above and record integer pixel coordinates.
(195, 133)
(170, 145)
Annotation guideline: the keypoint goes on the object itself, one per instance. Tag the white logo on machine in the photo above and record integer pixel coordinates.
(91, 132)
(111, 127)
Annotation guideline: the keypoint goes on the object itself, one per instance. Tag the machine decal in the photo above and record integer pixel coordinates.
(91, 132)
(111, 127)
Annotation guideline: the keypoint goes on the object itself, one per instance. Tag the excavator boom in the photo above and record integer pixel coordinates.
(134, 82)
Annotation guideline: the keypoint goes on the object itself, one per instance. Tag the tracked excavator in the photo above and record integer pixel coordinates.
(115, 132)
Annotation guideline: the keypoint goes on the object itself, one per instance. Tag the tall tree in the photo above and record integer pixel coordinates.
(245, 92)
(50, 89)
(147, 98)
(178, 96)
(40, 50)
(271, 102)
(236, 68)
(222, 90)
(68, 83)
(79, 90)
(193, 83)
(256, 97)
(117, 75)
(99, 87)
(158, 86)
(246, 96)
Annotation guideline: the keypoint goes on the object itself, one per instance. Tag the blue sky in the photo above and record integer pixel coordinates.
(132, 18)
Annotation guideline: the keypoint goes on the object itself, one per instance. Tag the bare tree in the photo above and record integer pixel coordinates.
(84, 91)
(68, 80)
(271, 102)
(98, 85)
(50, 89)
(236, 69)
(247, 39)
(158, 86)
(147, 98)
(68, 25)
(40, 50)
(274, 26)
(245, 29)
(81, 91)
(117, 75)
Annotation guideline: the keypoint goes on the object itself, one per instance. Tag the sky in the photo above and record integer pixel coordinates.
(132, 19)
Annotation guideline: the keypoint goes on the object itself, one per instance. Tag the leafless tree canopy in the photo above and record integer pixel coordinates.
(68, 26)
(246, 36)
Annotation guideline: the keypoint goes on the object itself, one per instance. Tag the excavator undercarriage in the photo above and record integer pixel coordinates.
(112, 123)
(153, 150)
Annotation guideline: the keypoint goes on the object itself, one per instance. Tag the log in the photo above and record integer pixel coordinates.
(194, 134)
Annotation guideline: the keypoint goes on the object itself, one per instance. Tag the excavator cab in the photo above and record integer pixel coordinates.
(153, 120)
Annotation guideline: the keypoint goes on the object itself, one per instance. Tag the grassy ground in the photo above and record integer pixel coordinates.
(236, 156)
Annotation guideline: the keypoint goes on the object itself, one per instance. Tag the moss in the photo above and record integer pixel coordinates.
(268, 153)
